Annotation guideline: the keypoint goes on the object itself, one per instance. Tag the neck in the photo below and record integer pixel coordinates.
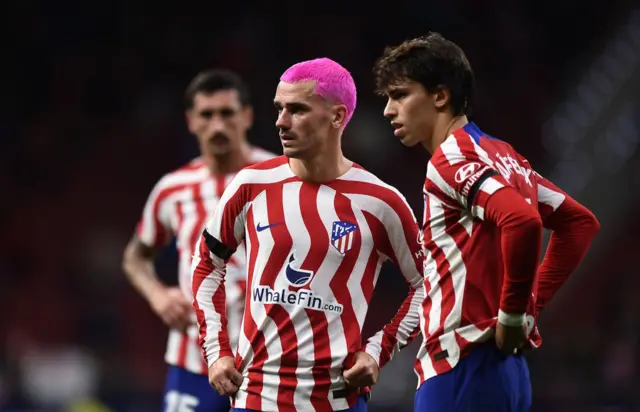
(325, 166)
(230, 162)
(443, 127)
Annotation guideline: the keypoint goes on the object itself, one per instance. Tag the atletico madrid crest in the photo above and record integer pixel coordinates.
(342, 235)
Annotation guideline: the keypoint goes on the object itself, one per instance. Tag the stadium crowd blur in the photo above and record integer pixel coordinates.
(92, 117)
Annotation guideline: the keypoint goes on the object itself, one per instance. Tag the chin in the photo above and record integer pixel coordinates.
(218, 150)
(291, 152)
(408, 141)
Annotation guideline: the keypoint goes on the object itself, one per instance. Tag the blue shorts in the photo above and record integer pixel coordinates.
(190, 392)
(484, 381)
(360, 406)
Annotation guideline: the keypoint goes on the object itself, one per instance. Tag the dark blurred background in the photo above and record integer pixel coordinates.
(92, 117)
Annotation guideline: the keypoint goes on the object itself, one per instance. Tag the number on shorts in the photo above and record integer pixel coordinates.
(180, 402)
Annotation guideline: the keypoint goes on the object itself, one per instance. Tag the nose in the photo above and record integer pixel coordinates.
(283, 121)
(390, 110)
(216, 124)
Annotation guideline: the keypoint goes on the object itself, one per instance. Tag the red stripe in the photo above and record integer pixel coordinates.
(317, 254)
(394, 201)
(182, 351)
(432, 342)
(270, 163)
(200, 216)
(252, 332)
(383, 243)
(434, 190)
(161, 234)
(338, 285)
(221, 184)
(202, 271)
(286, 330)
(417, 366)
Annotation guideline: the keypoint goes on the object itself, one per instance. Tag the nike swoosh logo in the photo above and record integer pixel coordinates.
(261, 228)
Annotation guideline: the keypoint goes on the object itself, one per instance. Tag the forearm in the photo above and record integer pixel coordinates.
(400, 332)
(573, 230)
(140, 271)
(521, 232)
(207, 276)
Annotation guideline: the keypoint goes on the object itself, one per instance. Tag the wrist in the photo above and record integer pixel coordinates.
(155, 291)
(511, 319)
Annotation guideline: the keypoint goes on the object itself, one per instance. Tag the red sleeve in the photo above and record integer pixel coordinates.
(573, 229)
(521, 237)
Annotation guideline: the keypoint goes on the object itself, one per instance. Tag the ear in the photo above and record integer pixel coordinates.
(247, 114)
(188, 116)
(441, 97)
(339, 116)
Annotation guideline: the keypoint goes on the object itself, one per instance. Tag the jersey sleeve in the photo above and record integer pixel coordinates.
(573, 229)
(404, 248)
(461, 175)
(221, 237)
(550, 198)
(154, 226)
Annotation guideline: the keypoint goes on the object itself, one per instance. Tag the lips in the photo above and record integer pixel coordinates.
(219, 138)
(286, 138)
(398, 129)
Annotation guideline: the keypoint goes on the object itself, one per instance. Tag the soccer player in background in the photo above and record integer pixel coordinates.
(318, 228)
(485, 208)
(219, 114)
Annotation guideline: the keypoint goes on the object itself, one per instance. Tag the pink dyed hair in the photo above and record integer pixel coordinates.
(333, 82)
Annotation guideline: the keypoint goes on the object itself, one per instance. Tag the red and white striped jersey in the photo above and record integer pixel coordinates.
(179, 206)
(314, 255)
(463, 268)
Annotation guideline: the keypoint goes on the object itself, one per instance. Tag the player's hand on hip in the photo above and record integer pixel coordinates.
(173, 308)
(224, 377)
(364, 371)
(510, 339)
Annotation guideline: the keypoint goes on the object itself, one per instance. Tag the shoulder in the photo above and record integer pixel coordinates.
(258, 155)
(268, 171)
(190, 173)
(365, 183)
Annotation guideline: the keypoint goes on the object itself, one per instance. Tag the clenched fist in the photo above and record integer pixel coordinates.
(364, 371)
(173, 308)
(510, 339)
(224, 377)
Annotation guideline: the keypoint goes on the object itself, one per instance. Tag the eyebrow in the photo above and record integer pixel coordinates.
(292, 105)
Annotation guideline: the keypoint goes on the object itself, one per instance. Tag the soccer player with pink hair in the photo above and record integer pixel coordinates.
(317, 228)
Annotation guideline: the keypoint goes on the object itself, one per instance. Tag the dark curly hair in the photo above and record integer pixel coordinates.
(432, 61)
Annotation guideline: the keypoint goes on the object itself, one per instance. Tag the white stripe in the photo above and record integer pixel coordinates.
(173, 346)
(482, 154)
(550, 197)
(304, 333)
(193, 358)
(472, 333)
(189, 220)
(433, 276)
(207, 289)
(490, 185)
(246, 176)
(458, 273)
(354, 283)
(451, 150)
(264, 323)
(434, 176)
